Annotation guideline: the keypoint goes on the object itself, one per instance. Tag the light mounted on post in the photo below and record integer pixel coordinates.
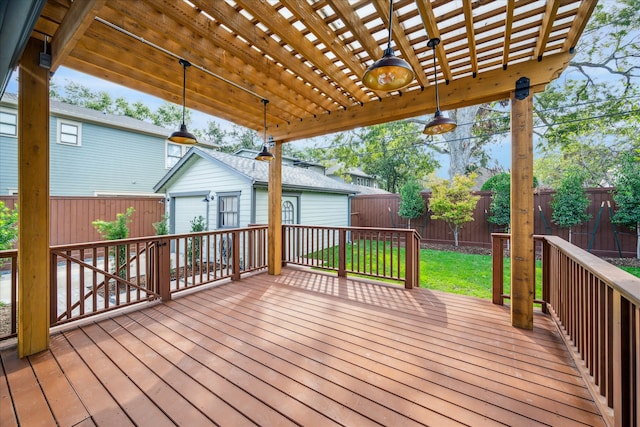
(389, 72)
(440, 123)
(265, 155)
(183, 136)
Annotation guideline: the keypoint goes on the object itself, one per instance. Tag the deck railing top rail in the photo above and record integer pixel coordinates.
(616, 278)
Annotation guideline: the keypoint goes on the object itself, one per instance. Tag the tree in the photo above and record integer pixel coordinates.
(392, 152)
(591, 116)
(116, 230)
(627, 195)
(478, 125)
(8, 227)
(453, 202)
(411, 202)
(170, 115)
(500, 208)
(570, 201)
(213, 134)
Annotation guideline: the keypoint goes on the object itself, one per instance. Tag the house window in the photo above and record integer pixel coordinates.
(8, 123)
(229, 210)
(69, 133)
(174, 153)
(287, 212)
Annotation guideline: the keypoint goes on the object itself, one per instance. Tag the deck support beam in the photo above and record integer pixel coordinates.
(522, 212)
(33, 201)
(274, 231)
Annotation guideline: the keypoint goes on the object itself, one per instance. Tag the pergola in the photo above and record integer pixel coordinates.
(307, 58)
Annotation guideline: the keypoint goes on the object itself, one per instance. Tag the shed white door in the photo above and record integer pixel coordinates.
(186, 209)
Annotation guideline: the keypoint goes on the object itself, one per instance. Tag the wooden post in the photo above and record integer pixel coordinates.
(409, 260)
(163, 263)
(522, 213)
(33, 201)
(497, 268)
(342, 252)
(235, 250)
(275, 212)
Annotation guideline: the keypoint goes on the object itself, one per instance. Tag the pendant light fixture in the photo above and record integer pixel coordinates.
(389, 72)
(265, 155)
(183, 136)
(440, 123)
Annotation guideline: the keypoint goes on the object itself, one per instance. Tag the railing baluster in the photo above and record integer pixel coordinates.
(597, 305)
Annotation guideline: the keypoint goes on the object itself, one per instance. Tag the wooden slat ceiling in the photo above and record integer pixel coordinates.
(307, 57)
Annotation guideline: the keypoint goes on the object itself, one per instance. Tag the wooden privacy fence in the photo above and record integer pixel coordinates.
(71, 217)
(598, 235)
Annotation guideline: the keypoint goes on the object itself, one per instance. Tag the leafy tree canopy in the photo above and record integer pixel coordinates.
(591, 115)
(392, 152)
(167, 115)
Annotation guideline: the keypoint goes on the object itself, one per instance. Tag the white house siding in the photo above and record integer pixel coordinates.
(324, 209)
(200, 177)
(315, 208)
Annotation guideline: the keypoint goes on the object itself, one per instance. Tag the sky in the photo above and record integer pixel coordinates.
(501, 152)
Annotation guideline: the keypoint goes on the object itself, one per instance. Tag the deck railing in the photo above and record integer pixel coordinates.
(597, 306)
(97, 277)
(93, 278)
(382, 253)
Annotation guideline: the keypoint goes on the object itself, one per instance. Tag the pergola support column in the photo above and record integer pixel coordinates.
(522, 213)
(274, 232)
(33, 202)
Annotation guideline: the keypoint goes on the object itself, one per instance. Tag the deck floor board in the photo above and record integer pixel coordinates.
(301, 348)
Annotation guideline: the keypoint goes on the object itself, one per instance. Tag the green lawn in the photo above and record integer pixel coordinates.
(459, 273)
(465, 274)
(633, 270)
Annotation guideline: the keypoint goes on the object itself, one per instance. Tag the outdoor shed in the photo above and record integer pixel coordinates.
(230, 191)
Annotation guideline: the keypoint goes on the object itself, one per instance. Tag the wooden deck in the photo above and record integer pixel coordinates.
(301, 349)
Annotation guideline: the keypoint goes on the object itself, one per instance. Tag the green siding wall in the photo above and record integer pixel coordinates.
(108, 160)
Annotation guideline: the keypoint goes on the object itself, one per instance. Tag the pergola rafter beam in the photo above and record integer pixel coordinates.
(75, 23)
(400, 38)
(491, 86)
(546, 27)
(302, 45)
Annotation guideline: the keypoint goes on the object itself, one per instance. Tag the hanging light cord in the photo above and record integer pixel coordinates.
(265, 102)
(390, 24)
(435, 76)
(185, 64)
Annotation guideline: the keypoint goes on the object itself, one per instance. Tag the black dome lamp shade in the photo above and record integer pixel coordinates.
(389, 72)
(265, 155)
(183, 136)
(440, 123)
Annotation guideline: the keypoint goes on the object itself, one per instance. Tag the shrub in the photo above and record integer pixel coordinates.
(570, 201)
(411, 201)
(193, 248)
(162, 226)
(627, 196)
(116, 230)
(8, 227)
(453, 201)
